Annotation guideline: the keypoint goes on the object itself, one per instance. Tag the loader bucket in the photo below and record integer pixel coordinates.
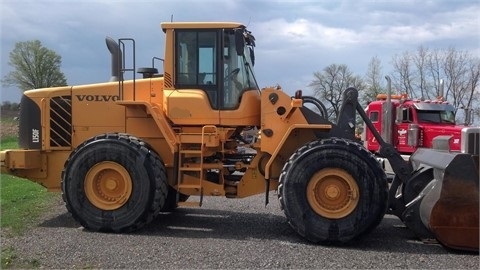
(450, 206)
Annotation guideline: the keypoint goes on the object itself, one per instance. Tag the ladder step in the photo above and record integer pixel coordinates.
(187, 151)
(190, 169)
(194, 138)
(196, 167)
(190, 186)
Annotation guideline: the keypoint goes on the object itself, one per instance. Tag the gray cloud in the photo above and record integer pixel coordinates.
(294, 38)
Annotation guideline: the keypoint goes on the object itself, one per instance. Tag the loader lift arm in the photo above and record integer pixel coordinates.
(402, 169)
(345, 128)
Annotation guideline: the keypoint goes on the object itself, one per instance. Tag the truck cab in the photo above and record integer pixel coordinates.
(415, 123)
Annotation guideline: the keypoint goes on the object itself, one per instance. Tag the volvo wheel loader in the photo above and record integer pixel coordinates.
(122, 151)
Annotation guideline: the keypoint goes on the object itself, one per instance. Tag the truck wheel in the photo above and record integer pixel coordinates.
(333, 191)
(113, 182)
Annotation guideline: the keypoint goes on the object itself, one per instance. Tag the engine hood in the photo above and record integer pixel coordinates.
(430, 132)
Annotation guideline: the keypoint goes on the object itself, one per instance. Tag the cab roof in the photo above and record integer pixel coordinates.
(199, 25)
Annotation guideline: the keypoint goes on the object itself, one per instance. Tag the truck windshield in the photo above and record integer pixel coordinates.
(443, 117)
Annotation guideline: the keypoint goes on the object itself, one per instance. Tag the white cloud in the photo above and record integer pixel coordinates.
(381, 30)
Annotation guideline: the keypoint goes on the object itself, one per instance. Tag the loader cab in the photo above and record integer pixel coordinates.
(218, 61)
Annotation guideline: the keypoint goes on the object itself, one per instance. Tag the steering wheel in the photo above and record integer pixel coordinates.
(231, 74)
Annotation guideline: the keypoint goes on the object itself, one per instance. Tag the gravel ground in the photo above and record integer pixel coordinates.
(223, 233)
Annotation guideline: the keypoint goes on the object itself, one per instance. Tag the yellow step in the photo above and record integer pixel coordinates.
(190, 169)
(188, 151)
(190, 186)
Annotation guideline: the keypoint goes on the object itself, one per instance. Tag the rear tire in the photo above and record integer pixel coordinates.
(333, 191)
(113, 182)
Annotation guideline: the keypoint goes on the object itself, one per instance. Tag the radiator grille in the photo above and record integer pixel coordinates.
(471, 140)
(60, 121)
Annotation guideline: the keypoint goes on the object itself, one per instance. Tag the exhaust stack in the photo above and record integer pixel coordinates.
(387, 114)
(441, 88)
(116, 61)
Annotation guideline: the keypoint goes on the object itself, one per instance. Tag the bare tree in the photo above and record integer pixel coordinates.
(403, 75)
(455, 68)
(422, 83)
(435, 68)
(472, 93)
(373, 80)
(35, 66)
(329, 85)
(419, 76)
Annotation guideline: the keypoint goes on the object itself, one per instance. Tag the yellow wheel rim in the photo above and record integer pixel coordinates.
(108, 185)
(332, 193)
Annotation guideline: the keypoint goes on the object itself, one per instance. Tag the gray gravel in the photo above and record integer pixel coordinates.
(224, 233)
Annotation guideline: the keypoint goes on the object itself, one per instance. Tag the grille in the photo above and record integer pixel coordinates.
(168, 80)
(60, 121)
(471, 140)
(30, 127)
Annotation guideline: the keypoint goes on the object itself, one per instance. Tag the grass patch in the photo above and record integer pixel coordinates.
(8, 257)
(10, 260)
(9, 142)
(22, 202)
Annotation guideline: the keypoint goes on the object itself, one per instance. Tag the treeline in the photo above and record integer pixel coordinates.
(416, 73)
(12, 106)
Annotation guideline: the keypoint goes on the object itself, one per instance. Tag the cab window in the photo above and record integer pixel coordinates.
(197, 62)
(374, 116)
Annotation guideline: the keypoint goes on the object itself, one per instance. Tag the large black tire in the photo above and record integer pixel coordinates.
(171, 201)
(333, 191)
(114, 183)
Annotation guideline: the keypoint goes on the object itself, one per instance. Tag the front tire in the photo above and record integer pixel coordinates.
(333, 191)
(113, 182)
(171, 200)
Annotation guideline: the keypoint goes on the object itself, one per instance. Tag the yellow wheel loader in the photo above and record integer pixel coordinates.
(122, 151)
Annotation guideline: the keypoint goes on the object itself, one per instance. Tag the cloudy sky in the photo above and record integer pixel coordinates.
(294, 38)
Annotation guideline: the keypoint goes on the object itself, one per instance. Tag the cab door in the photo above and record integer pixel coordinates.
(401, 130)
(375, 116)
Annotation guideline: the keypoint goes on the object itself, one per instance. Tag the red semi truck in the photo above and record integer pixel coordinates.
(411, 123)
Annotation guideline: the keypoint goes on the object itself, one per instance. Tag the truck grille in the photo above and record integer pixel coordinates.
(471, 140)
(60, 121)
